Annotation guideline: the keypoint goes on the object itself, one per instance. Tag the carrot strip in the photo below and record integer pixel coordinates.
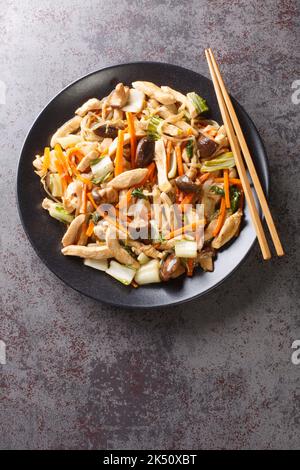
(46, 161)
(187, 199)
(90, 196)
(131, 129)
(90, 229)
(83, 200)
(119, 153)
(61, 173)
(74, 152)
(186, 228)
(151, 169)
(85, 181)
(221, 217)
(179, 160)
(190, 267)
(169, 148)
(234, 181)
(204, 177)
(226, 188)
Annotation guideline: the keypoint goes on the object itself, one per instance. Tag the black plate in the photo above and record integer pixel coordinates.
(45, 233)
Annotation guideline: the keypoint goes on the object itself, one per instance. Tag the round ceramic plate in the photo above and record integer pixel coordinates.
(45, 233)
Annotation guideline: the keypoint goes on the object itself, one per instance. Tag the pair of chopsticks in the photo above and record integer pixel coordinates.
(238, 144)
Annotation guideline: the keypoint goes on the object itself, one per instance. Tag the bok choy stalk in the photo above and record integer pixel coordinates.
(120, 272)
(154, 128)
(186, 249)
(101, 167)
(100, 264)
(221, 162)
(148, 273)
(199, 103)
(55, 185)
(58, 212)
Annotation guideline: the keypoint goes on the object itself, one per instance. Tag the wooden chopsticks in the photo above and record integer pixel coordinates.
(238, 143)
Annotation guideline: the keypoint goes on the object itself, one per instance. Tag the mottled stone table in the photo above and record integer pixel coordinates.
(216, 373)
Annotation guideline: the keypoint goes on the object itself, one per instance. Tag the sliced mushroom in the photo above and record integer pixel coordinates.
(91, 252)
(118, 252)
(118, 97)
(127, 179)
(106, 130)
(145, 152)
(161, 165)
(185, 184)
(92, 104)
(67, 128)
(206, 146)
(71, 234)
(169, 267)
(85, 162)
(229, 230)
(178, 271)
(205, 259)
(154, 92)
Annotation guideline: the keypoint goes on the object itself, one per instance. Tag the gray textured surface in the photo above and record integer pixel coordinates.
(214, 374)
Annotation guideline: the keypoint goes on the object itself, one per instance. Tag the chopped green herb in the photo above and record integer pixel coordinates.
(235, 196)
(95, 161)
(190, 148)
(138, 192)
(95, 217)
(217, 190)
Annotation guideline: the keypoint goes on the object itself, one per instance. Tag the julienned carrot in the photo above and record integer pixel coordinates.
(186, 228)
(169, 148)
(221, 217)
(83, 200)
(233, 181)
(119, 153)
(86, 181)
(179, 160)
(187, 199)
(131, 129)
(90, 196)
(90, 229)
(74, 152)
(226, 188)
(190, 267)
(204, 177)
(46, 161)
(151, 169)
(62, 175)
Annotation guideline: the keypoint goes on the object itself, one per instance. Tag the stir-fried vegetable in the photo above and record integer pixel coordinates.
(154, 128)
(135, 178)
(198, 102)
(186, 249)
(221, 162)
(120, 272)
(58, 212)
(148, 273)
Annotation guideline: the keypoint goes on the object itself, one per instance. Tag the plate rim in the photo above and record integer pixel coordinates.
(112, 302)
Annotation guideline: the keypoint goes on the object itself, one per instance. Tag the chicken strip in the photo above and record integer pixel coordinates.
(91, 252)
(67, 128)
(118, 252)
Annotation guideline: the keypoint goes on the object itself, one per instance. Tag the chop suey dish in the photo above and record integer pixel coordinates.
(146, 186)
